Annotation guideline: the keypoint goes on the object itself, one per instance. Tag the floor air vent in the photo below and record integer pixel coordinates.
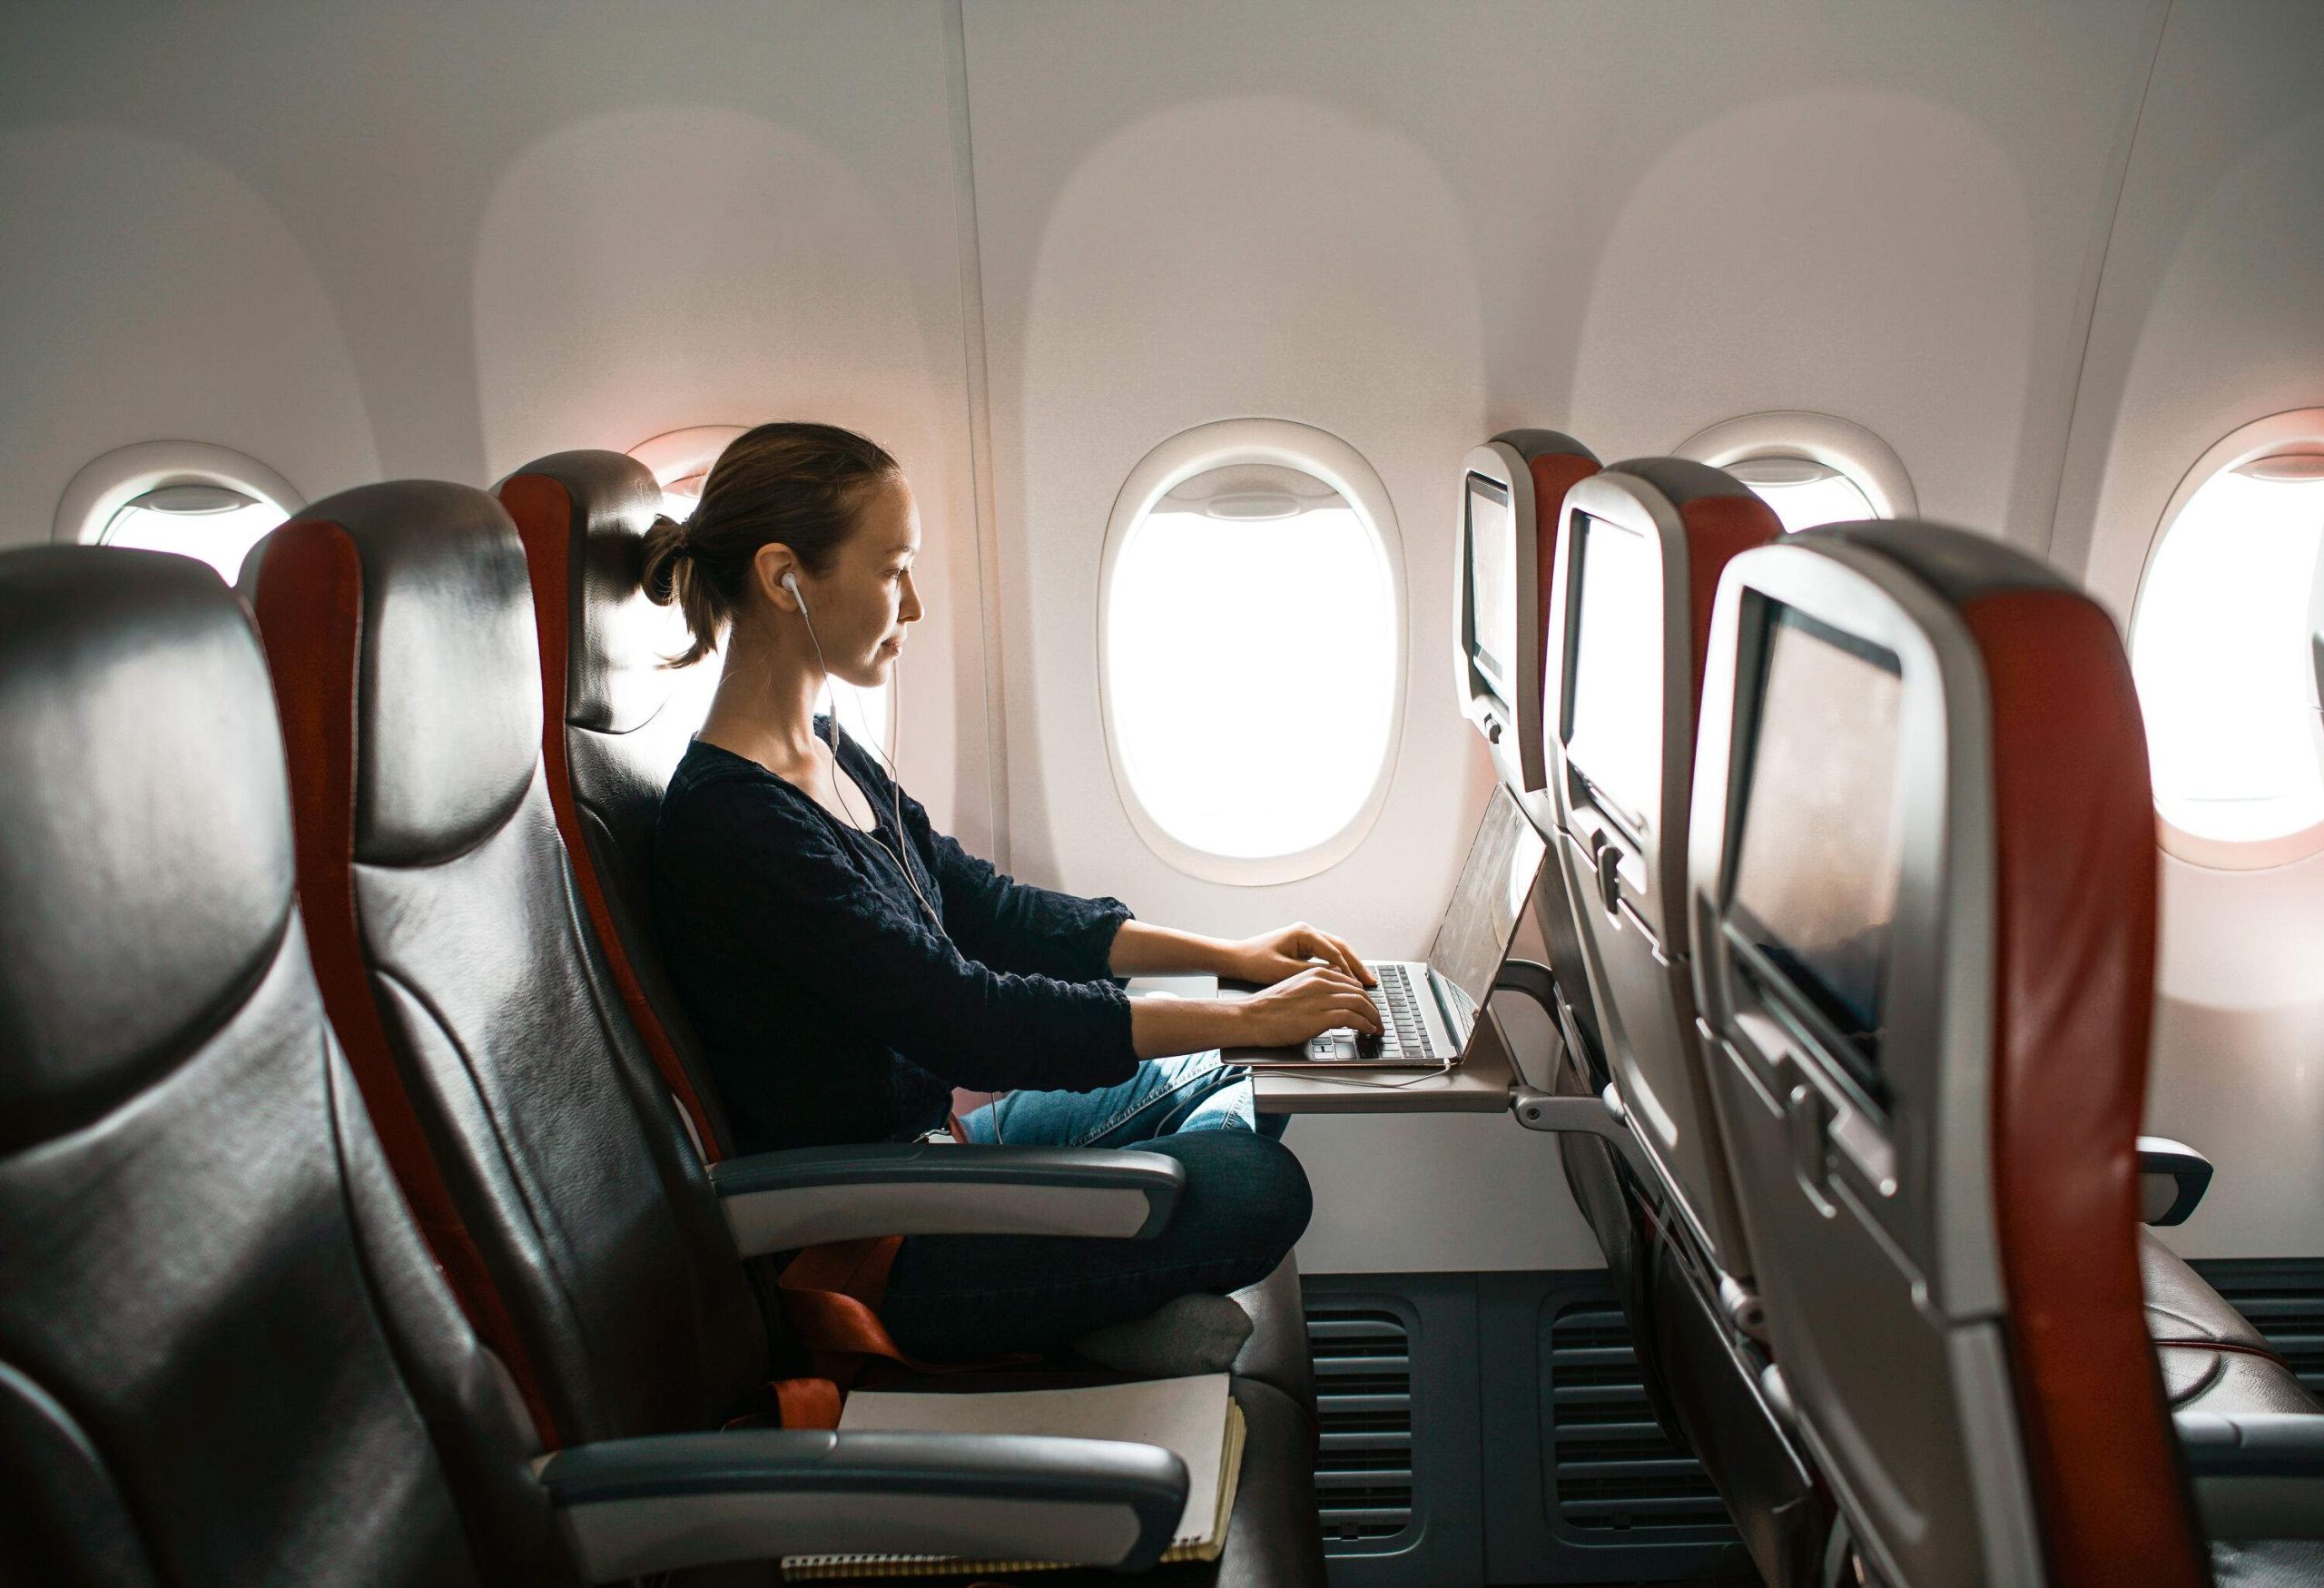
(2284, 1299)
(1364, 1396)
(1616, 1473)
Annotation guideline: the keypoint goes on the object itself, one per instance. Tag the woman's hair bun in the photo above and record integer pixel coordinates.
(665, 548)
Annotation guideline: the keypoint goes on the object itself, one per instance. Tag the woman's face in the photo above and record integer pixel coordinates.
(860, 606)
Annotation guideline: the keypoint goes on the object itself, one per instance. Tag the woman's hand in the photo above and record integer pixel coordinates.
(1319, 999)
(1289, 951)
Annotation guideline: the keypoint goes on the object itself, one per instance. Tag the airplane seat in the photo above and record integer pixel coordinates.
(2212, 1358)
(1553, 463)
(398, 627)
(609, 743)
(1922, 883)
(1639, 549)
(218, 1328)
(608, 748)
(461, 968)
(226, 1352)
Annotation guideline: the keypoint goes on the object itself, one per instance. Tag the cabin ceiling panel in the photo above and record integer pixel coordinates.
(1862, 254)
(150, 294)
(426, 163)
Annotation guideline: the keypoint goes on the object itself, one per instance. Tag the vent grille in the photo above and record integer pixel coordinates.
(1364, 1384)
(2284, 1299)
(1615, 1470)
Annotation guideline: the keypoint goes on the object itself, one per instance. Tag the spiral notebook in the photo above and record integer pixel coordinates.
(1196, 1418)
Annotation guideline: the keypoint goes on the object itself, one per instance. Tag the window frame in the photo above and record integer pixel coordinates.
(111, 481)
(2292, 430)
(1870, 463)
(1289, 444)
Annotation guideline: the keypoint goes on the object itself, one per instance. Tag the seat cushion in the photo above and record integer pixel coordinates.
(1276, 1353)
(2213, 1360)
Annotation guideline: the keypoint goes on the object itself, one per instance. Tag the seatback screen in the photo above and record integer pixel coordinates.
(1820, 850)
(1492, 587)
(1614, 683)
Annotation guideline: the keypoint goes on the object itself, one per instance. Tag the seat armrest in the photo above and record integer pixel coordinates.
(2172, 1179)
(776, 1201)
(2257, 1474)
(635, 1507)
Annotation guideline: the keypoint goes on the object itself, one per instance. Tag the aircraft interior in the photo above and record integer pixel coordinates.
(1762, 563)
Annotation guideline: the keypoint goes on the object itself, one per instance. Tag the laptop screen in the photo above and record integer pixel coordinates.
(1504, 861)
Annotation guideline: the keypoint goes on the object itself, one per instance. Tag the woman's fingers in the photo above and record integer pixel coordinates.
(1333, 951)
(1346, 955)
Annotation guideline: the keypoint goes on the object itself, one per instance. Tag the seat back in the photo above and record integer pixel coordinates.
(463, 976)
(1922, 883)
(1550, 463)
(611, 734)
(1640, 550)
(225, 1354)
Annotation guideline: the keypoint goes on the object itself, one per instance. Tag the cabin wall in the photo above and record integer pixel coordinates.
(1024, 243)
(2212, 315)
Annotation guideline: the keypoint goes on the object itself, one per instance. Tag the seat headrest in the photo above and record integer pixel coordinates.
(1960, 565)
(145, 872)
(407, 603)
(584, 516)
(1720, 518)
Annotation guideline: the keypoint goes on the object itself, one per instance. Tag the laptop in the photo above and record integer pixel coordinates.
(1428, 1008)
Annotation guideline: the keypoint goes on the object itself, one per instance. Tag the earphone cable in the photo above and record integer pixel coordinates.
(841, 777)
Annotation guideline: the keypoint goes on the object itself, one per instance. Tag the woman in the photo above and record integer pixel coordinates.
(847, 966)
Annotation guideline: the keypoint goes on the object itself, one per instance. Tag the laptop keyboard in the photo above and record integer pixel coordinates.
(1402, 1033)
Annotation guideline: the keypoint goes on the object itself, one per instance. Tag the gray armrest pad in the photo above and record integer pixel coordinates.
(2172, 1179)
(2258, 1474)
(632, 1507)
(775, 1201)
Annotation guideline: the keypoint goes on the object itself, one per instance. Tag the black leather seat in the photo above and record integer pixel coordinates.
(2213, 1360)
(469, 989)
(224, 1355)
(611, 739)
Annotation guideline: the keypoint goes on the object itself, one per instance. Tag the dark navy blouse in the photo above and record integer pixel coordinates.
(829, 1010)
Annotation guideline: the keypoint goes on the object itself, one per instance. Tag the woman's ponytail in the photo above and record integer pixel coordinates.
(669, 580)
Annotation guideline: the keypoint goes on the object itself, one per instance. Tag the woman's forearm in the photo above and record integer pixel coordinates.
(1142, 949)
(1160, 1027)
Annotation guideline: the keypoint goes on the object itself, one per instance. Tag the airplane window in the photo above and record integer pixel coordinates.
(1250, 650)
(214, 523)
(1804, 493)
(1811, 468)
(681, 460)
(2223, 645)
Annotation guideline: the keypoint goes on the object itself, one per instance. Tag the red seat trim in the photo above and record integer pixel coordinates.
(544, 511)
(309, 608)
(2074, 863)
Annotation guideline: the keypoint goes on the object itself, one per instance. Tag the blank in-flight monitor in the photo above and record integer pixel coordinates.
(1492, 587)
(1820, 850)
(1614, 681)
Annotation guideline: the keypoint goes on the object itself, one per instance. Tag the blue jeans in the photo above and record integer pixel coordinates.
(955, 1297)
(1193, 1091)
